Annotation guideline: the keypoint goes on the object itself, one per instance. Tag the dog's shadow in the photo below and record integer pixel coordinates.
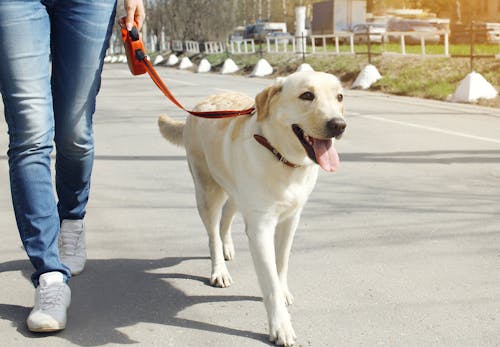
(116, 293)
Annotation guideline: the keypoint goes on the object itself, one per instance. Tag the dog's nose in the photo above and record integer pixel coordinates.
(335, 127)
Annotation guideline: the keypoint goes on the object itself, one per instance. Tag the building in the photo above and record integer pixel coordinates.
(487, 10)
(337, 15)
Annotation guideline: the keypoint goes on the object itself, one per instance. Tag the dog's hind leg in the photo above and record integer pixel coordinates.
(285, 231)
(228, 213)
(210, 198)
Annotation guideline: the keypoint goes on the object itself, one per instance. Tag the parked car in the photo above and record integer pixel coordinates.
(238, 34)
(280, 37)
(483, 33)
(415, 29)
(377, 32)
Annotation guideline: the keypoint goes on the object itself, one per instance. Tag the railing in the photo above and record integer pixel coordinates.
(242, 47)
(335, 44)
(280, 44)
(214, 47)
(192, 47)
(177, 46)
(336, 40)
(421, 37)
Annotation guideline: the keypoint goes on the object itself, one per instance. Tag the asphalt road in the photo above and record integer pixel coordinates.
(400, 247)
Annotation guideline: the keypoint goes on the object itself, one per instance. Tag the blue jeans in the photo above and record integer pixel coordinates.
(50, 71)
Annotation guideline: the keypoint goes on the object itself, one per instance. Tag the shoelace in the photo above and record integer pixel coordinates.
(50, 296)
(69, 241)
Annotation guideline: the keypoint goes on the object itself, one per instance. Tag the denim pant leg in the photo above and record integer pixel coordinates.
(27, 97)
(80, 35)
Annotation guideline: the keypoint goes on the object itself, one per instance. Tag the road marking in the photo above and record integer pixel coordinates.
(438, 130)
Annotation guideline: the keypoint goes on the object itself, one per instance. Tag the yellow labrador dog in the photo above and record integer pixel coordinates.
(264, 166)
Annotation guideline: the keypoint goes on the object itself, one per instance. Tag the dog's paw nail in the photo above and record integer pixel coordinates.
(289, 300)
(282, 334)
(221, 280)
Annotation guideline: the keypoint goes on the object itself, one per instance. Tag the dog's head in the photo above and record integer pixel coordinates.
(301, 115)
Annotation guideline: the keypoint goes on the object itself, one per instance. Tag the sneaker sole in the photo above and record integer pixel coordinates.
(47, 329)
(76, 273)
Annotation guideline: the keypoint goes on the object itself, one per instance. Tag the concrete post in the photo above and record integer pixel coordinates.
(300, 28)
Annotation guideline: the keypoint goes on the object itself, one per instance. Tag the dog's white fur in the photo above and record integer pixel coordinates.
(231, 172)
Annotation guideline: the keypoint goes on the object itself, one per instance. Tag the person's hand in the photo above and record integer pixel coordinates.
(135, 13)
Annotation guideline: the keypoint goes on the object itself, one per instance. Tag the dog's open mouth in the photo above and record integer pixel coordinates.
(320, 151)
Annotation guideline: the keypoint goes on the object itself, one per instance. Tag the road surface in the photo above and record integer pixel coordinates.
(400, 247)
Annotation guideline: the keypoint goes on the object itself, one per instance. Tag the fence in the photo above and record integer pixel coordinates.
(242, 47)
(340, 43)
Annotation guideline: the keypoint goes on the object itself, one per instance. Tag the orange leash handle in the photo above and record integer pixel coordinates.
(139, 64)
(134, 49)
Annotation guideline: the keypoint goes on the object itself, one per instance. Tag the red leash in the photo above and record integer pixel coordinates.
(139, 64)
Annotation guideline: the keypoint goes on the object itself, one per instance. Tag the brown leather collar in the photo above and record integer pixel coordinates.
(263, 141)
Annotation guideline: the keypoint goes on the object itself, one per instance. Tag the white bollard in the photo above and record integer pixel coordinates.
(204, 66)
(185, 63)
(159, 58)
(367, 77)
(263, 68)
(172, 60)
(229, 66)
(305, 67)
(472, 88)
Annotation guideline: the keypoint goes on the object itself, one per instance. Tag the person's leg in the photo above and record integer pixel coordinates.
(80, 37)
(26, 93)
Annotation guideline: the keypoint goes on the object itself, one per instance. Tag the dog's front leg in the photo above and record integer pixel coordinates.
(261, 240)
(285, 232)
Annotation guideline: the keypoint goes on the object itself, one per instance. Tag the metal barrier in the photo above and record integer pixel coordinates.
(242, 47)
(419, 36)
(280, 44)
(341, 43)
(192, 47)
(214, 47)
(337, 37)
(177, 46)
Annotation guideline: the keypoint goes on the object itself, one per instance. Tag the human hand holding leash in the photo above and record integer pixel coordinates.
(135, 13)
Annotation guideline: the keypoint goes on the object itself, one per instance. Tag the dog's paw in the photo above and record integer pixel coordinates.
(221, 279)
(228, 248)
(289, 300)
(282, 333)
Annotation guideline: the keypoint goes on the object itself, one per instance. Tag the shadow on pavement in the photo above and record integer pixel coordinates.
(116, 293)
(416, 157)
(426, 157)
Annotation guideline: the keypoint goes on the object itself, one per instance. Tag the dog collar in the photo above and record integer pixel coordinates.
(263, 141)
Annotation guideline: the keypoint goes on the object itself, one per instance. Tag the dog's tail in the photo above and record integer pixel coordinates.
(171, 129)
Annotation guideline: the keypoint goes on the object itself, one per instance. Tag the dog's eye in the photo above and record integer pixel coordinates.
(340, 97)
(307, 96)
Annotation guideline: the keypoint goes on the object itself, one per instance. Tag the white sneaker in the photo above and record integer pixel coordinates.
(52, 299)
(72, 248)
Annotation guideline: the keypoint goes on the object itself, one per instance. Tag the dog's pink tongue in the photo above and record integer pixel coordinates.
(326, 155)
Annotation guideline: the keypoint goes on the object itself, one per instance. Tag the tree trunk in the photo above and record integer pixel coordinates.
(458, 9)
(283, 4)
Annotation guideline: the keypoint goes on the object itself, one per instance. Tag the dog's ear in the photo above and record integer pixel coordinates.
(263, 100)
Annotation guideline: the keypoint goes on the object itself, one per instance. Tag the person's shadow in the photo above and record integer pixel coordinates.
(115, 293)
